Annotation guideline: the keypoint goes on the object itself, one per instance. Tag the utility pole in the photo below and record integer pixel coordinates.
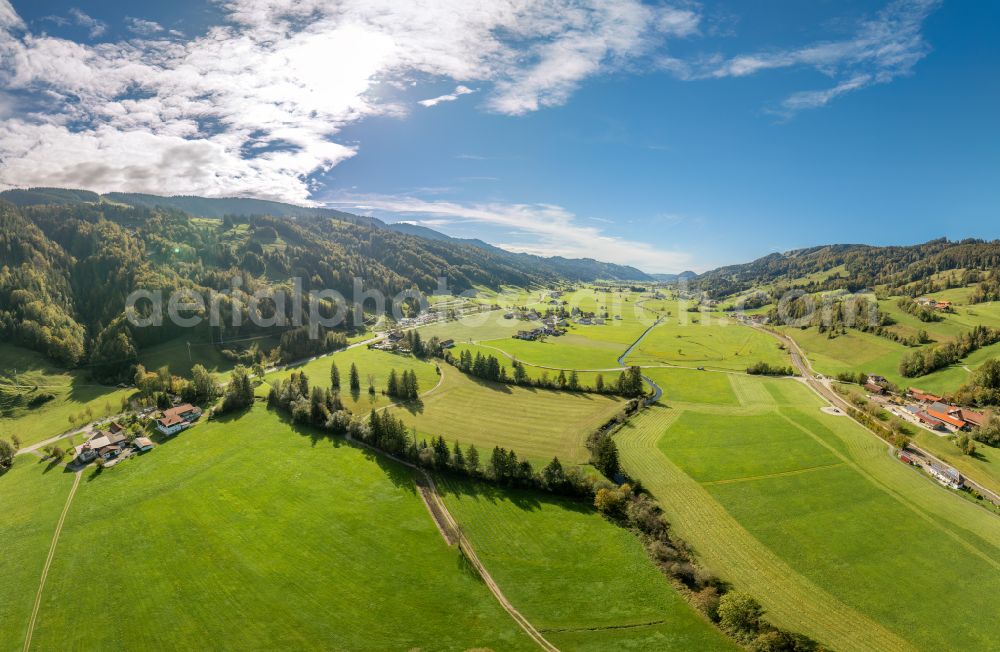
(189, 352)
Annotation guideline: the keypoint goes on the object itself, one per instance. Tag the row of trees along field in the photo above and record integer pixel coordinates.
(629, 382)
(322, 408)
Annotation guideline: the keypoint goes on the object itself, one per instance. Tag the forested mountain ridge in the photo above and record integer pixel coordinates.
(573, 269)
(901, 269)
(69, 260)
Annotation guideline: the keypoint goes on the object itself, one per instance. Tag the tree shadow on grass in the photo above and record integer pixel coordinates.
(465, 567)
(315, 435)
(413, 406)
(401, 476)
(526, 499)
(489, 384)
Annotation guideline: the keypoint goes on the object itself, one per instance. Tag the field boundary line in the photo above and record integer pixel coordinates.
(48, 560)
(780, 474)
(894, 494)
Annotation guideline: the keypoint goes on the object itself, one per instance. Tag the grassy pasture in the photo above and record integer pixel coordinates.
(174, 354)
(368, 361)
(857, 351)
(713, 342)
(570, 351)
(475, 327)
(587, 378)
(258, 536)
(692, 386)
(32, 496)
(543, 549)
(74, 394)
(813, 516)
(538, 424)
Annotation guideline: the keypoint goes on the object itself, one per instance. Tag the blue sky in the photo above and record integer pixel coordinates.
(670, 136)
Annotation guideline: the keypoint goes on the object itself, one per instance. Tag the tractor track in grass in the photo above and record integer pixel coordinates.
(452, 534)
(48, 561)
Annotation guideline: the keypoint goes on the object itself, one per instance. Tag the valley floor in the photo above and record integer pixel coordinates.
(814, 516)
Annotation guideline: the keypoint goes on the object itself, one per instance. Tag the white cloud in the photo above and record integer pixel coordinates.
(8, 17)
(258, 101)
(541, 229)
(142, 26)
(450, 97)
(882, 48)
(95, 27)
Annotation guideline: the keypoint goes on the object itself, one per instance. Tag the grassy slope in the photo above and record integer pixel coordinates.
(824, 525)
(174, 354)
(857, 351)
(536, 423)
(249, 533)
(543, 549)
(378, 363)
(31, 498)
(73, 391)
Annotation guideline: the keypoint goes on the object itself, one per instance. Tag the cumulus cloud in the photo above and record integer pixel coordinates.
(881, 49)
(254, 105)
(541, 229)
(450, 97)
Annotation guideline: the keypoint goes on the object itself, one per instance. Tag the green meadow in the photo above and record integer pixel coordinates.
(369, 362)
(544, 550)
(586, 378)
(537, 423)
(255, 535)
(77, 400)
(813, 516)
(32, 495)
(570, 351)
(180, 357)
(713, 342)
(856, 351)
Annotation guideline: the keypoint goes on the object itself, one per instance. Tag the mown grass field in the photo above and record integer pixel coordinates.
(813, 516)
(570, 351)
(377, 363)
(74, 394)
(713, 342)
(544, 550)
(693, 386)
(477, 326)
(538, 424)
(32, 496)
(253, 535)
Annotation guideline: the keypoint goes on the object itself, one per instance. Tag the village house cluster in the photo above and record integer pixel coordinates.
(931, 411)
(110, 446)
(934, 304)
(115, 443)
